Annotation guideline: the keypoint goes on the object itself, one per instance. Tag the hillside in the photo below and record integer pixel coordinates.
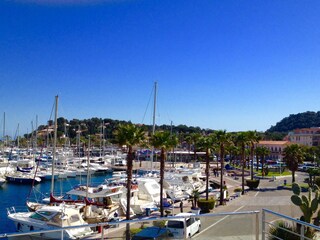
(300, 120)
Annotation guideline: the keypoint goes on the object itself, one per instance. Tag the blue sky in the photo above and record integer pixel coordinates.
(234, 65)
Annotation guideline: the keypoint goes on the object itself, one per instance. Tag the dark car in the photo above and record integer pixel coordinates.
(153, 233)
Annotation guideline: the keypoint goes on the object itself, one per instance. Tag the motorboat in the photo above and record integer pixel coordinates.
(101, 202)
(50, 218)
(22, 178)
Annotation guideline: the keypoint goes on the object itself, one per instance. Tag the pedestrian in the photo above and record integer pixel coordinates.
(215, 172)
(181, 206)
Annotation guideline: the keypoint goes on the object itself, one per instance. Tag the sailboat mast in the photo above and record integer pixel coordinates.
(88, 164)
(154, 120)
(36, 137)
(154, 108)
(18, 137)
(54, 142)
(4, 131)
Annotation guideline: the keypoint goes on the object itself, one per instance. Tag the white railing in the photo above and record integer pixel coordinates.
(103, 229)
(269, 221)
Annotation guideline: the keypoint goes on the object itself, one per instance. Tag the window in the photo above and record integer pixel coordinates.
(38, 217)
(74, 218)
(190, 221)
(175, 224)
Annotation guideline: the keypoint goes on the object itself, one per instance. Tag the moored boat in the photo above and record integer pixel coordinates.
(50, 218)
(23, 179)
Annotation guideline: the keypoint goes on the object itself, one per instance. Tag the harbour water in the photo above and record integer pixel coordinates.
(15, 195)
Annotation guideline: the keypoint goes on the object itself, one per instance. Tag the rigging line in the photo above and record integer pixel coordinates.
(16, 133)
(52, 110)
(147, 105)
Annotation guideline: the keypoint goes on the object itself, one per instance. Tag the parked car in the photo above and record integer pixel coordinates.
(152, 233)
(178, 228)
(305, 166)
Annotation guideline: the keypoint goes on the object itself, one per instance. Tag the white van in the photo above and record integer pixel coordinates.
(178, 228)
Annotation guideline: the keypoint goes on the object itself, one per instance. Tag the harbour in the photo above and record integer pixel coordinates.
(15, 195)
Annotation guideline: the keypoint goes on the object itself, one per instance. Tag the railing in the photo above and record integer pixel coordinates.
(117, 228)
(291, 227)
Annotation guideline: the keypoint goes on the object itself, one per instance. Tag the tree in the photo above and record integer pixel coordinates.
(223, 139)
(206, 143)
(188, 140)
(253, 138)
(261, 153)
(233, 151)
(129, 135)
(293, 156)
(242, 141)
(194, 139)
(163, 140)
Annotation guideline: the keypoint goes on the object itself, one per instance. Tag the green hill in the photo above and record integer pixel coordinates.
(294, 121)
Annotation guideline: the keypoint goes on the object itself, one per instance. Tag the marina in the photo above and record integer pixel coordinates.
(16, 195)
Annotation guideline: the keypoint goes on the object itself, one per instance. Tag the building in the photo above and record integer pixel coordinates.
(275, 147)
(305, 136)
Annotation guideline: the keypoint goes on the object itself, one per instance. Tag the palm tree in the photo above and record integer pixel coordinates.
(293, 155)
(253, 138)
(233, 152)
(194, 139)
(261, 153)
(164, 141)
(129, 135)
(242, 141)
(188, 140)
(206, 143)
(223, 139)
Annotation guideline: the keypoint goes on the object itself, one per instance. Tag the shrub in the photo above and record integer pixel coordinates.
(159, 224)
(133, 231)
(206, 205)
(252, 184)
(317, 181)
(282, 229)
(237, 190)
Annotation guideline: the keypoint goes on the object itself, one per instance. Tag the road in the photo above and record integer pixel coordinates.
(244, 226)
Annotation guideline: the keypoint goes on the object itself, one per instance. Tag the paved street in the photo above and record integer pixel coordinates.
(243, 227)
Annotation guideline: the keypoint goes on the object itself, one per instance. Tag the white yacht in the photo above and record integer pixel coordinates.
(146, 194)
(50, 218)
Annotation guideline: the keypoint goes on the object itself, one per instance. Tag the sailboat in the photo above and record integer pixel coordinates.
(47, 217)
(96, 202)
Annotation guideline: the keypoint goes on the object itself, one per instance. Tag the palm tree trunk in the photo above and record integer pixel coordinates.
(252, 149)
(243, 163)
(257, 157)
(262, 166)
(207, 174)
(221, 174)
(162, 158)
(129, 174)
(293, 177)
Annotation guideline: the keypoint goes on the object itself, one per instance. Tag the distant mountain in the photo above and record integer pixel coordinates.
(294, 121)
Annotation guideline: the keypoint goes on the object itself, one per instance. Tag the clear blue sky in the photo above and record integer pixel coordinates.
(234, 65)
